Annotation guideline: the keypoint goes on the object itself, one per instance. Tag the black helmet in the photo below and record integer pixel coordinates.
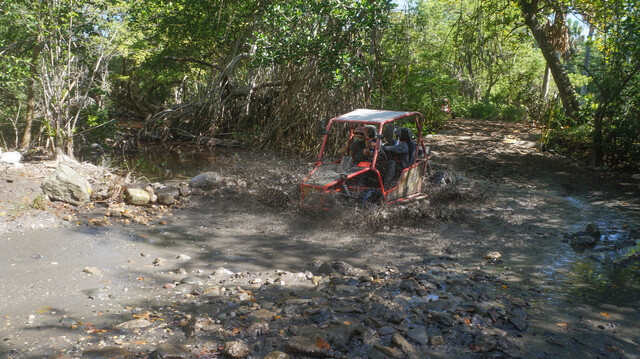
(388, 132)
(405, 134)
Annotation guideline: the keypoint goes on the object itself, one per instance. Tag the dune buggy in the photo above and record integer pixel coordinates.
(365, 181)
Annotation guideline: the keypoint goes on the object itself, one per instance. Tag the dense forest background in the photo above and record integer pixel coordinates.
(73, 72)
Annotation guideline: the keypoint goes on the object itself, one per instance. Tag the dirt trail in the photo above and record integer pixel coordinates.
(502, 195)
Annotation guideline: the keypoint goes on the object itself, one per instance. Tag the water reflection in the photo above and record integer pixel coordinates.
(171, 162)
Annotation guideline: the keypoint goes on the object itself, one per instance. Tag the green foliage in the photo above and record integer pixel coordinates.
(483, 111)
(334, 33)
(512, 113)
(575, 141)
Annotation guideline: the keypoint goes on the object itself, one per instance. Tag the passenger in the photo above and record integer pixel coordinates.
(405, 135)
(397, 156)
(381, 162)
(357, 146)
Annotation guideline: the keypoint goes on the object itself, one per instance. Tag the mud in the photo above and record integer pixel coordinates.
(501, 194)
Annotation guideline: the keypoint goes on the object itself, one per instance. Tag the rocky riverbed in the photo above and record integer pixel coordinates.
(484, 267)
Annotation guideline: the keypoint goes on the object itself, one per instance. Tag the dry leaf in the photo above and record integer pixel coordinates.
(322, 344)
(605, 314)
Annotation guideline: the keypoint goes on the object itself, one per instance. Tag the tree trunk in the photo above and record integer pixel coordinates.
(545, 83)
(565, 88)
(31, 96)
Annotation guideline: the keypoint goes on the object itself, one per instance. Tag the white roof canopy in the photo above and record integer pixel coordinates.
(365, 115)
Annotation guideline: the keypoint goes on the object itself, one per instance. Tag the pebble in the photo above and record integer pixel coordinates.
(192, 280)
(92, 271)
(393, 353)
(184, 257)
(134, 324)
(419, 335)
(170, 351)
(159, 262)
(436, 340)
(493, 256)
(277, 355)
(222, 272)
(236, 349)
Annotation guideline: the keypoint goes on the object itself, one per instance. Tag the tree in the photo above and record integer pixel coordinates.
(531, 11)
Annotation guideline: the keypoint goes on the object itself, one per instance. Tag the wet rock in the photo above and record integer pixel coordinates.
(325, 268)
(484, 342)
(369, 336)
(185, 190)
(493, 256)
(518, 301)
(99, 222)
(184, 289)
(386, 330)
(390, 352)
(152, 193)
(277, 355)
(11, 157)
(137, 196)
(236, 349)
(593, 229)
(134, 324)
(263, 314)
(222, 272)
(170, 351)
(419, 335)
(518, 318)
(436, 340)
(211, 291)
(442, 318)
(199, 323)
(311, 346)
(582, 241)
(400, 342)
(192, 280)
(344, 268)
(66, 185)
(167, 195)
(107, 352)
(206, 181)
(288, 277)
(258, 329)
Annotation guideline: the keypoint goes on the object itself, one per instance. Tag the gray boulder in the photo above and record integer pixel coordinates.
(11, 157)
(206, 181)
(137, 196)
(68, 186)
(167, 195)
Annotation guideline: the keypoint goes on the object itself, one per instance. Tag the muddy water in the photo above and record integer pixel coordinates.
(165, 163)
(584, 303)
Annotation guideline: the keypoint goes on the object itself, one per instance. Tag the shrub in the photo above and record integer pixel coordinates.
(483, 111)
(513, 113)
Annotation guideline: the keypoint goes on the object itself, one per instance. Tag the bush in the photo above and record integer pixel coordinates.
(513, 113)
(575, 141)
(483, 111)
